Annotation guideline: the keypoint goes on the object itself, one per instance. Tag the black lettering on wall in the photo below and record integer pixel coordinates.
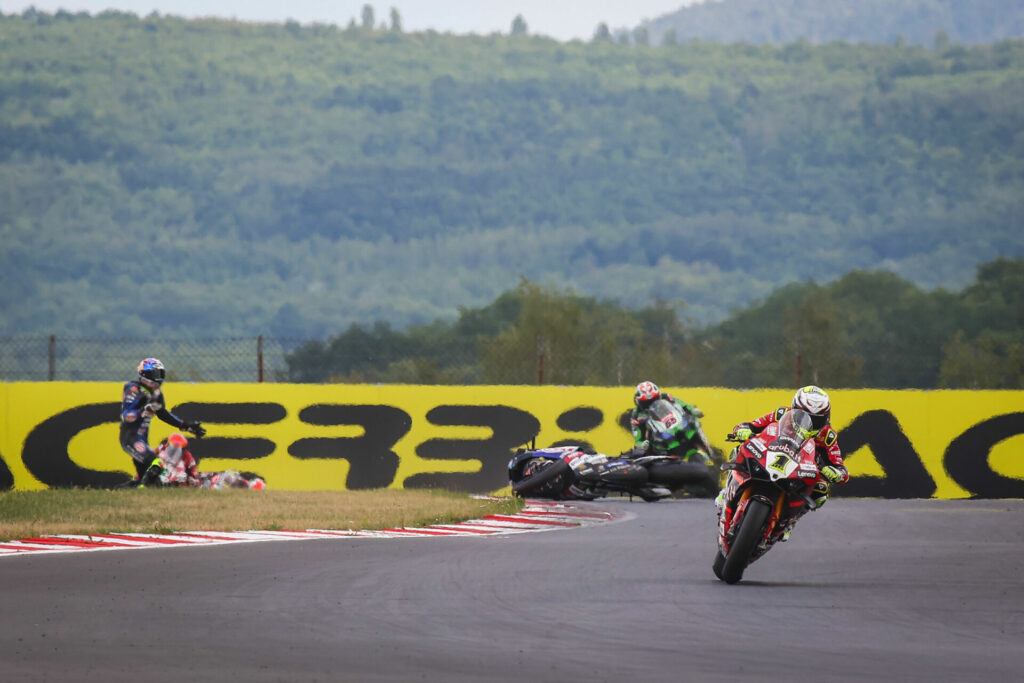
(6, 478)
(905, 474)
(231, 448)
(512, 427)
(373, 463)
(624, 422)
(232, 413)
(582, 419)
(46, 448)
(966, 458)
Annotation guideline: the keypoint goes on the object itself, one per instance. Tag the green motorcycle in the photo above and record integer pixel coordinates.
(673, 432)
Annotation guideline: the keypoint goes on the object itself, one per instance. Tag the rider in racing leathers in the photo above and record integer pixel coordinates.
(647, 393)
(179, 465)
(816, 403)
(140, 401)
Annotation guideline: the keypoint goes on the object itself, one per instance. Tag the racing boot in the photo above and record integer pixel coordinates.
(720, 502)
(151, 475)
(820, 494)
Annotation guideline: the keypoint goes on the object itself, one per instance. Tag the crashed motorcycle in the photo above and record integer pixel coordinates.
(771, 476)
(573, 473)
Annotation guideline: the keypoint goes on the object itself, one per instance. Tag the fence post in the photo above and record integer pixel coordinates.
(52, 357)
(259, 359)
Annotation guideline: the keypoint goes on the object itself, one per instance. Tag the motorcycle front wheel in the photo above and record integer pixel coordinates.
(750, 533)
(547, 472)
(719, 562)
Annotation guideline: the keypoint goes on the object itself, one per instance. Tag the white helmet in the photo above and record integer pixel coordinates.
(815, 401)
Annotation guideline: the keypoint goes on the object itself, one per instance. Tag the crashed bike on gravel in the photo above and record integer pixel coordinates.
(769, 474)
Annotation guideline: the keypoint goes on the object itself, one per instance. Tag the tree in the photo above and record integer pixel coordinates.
(396, 20)
(519, 27)
(641, 36)
(602, 34)
(816, 345)
(993, 360)
(368, 17)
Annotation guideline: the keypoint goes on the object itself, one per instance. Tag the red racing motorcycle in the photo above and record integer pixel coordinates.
(771, 474)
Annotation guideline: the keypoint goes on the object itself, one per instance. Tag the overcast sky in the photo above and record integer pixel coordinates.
(561, 19)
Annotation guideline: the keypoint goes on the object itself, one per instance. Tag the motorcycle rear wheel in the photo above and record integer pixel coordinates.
(750, 533)
(542, 476)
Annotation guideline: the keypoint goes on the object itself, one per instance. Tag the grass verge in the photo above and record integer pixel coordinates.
(81, 511)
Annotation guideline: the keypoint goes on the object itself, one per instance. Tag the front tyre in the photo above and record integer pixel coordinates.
(750, 533)
(536, 483)
(718, 563)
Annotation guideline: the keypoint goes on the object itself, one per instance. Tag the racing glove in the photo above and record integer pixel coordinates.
(195, 427)
(742, 433)
(695, 411)
(831, 473)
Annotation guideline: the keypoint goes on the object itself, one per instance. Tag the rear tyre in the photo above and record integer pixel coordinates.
(750, 533)
(543, 476)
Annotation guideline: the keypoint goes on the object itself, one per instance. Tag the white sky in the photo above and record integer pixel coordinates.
(560, 19)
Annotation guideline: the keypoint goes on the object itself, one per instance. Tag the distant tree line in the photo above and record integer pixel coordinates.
(867, 329)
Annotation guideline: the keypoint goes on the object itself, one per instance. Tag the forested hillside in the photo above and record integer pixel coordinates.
(866, 329)
(918, 22)
(210, 178)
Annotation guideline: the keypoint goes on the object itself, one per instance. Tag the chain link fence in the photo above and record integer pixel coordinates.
(52, 358)
(593, 361)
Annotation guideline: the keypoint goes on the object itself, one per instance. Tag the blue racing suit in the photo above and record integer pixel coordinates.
(138, 406)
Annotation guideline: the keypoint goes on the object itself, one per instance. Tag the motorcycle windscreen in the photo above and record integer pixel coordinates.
(668, 418)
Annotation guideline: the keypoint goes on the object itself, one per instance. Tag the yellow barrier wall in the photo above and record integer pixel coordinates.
(945, 444)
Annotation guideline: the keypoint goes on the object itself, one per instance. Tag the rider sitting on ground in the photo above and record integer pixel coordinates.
(646, 394)
(831, 470)
(180, 467)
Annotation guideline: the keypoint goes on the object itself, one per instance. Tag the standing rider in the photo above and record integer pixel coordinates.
(140, 401)
(646, 394)
(815, 402)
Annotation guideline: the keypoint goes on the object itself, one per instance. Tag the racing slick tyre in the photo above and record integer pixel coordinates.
(718, 563)
(546, 473)
(745, 541)
(677, 474)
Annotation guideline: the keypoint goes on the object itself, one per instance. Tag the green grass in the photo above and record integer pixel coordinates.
(78, 511)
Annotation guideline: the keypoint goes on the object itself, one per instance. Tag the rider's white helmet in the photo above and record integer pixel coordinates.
(815, 402)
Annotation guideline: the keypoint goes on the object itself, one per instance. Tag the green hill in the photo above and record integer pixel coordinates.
(210, 178)
(919, 22)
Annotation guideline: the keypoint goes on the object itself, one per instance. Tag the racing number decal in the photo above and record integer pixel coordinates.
(779, 464)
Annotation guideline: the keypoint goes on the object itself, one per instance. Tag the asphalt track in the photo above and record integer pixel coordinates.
(865, 591)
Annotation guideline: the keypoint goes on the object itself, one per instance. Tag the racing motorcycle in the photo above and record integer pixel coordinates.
(673, 431)
(769, 474)
(574, 473)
